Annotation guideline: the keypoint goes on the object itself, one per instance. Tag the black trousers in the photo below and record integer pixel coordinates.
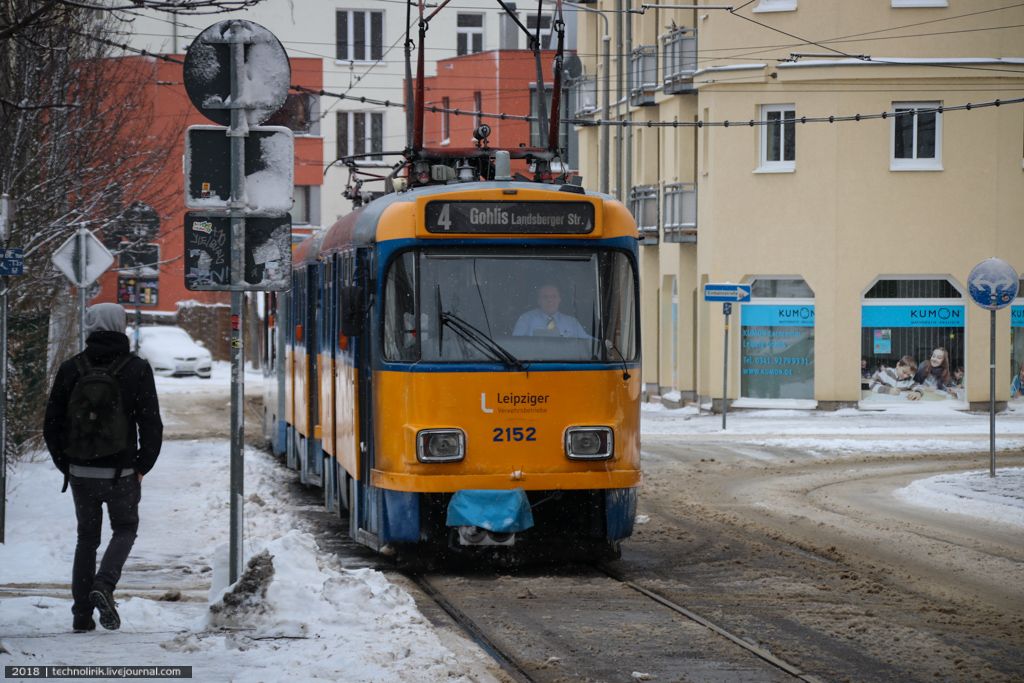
(122, 497)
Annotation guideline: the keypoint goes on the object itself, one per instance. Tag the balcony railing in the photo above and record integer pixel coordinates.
(680, 200)
(644, 70)
(679, 57)
(585, 90)
(643, 203)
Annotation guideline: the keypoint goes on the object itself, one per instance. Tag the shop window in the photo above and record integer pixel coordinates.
(1017, 346)
(912, 341)
(777, 335)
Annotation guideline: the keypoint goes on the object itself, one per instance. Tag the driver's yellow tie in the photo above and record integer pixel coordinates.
(551, 323)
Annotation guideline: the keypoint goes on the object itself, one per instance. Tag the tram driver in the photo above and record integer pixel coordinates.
(546, 320)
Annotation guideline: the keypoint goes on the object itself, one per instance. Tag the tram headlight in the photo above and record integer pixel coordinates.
(440, 445)
(589, 443)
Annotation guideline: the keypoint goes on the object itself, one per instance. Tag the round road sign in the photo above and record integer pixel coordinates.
(266, 73)
(993, 284)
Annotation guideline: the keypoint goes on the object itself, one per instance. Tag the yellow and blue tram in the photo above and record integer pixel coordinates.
(458, 365)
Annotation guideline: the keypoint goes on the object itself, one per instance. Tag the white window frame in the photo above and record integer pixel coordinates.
(897, 4)
(545, 31)
(367, 31)
(469, 32)
(367, 131)
(776, 6)
(766, 165)
(914, 163)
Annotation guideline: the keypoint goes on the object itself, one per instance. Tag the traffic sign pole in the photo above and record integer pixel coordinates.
(992, 284)
(237, 133)
(726, 310)
(992, 395)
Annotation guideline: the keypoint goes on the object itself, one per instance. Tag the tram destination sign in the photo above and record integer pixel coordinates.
(540, 218)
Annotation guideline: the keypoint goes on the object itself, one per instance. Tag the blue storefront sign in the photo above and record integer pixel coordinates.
(788, 315)
(1017, 316)
(912, 316)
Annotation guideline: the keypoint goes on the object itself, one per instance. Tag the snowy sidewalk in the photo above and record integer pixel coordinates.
(305, 618)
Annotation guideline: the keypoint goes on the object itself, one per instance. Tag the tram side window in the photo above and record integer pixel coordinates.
(400, 332)
(618, 303)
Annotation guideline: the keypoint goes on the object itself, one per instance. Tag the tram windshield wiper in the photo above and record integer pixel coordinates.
(480, 340)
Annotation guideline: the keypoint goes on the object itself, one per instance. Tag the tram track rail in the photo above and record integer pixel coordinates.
(509, 663)
(792, 669)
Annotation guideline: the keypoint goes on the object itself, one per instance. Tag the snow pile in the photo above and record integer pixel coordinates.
(295, 616)
(976, 494)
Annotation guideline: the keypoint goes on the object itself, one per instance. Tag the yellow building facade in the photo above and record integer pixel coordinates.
(856, 236)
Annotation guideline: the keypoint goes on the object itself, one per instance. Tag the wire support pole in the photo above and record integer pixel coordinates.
(992, 395)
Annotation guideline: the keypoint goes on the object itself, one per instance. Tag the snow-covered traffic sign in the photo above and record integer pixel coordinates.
(265, 73)
(208, 247)
(68, 260)
(993, 284)
(269, 170)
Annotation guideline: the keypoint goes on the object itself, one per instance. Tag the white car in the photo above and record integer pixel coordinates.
(171, 351)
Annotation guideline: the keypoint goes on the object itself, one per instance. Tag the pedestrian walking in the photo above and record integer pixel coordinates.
(104, 432)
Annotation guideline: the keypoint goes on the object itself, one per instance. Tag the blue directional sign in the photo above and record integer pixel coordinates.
(993, 284)
(12, 261)
(726, 292)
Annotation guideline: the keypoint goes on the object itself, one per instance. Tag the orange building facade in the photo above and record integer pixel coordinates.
(494, 82)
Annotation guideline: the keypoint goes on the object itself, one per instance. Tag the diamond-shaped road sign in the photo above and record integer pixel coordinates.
(97, 258)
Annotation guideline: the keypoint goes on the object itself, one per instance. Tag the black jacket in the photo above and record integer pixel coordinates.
(138, 395)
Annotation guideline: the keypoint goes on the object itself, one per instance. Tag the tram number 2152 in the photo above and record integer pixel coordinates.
(510, 434)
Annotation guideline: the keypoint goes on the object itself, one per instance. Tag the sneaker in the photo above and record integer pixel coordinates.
(83, 623)
(103, 600)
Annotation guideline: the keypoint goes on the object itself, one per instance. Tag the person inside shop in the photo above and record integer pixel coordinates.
(934, 376)
(898, 381)
(865, 374)
(1017, 385)
(546, 320)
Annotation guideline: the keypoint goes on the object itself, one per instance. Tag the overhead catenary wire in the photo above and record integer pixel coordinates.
(586, 122)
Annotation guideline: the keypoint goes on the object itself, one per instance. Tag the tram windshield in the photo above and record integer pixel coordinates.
(510, 307)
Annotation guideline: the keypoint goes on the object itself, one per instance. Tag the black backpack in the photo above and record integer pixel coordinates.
(97, 424)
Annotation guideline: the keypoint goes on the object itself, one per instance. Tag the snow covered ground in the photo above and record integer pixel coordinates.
(898, 429)
(299, 616)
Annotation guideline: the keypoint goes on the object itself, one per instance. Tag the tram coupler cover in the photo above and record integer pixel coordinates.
(501, 512)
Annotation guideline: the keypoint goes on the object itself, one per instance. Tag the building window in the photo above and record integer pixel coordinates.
(300, 113)
(300, 205)
(777, 332)
(544, 20)
(469, 33)
(359, 35)
(360, 134)
(775, 6)
(142, 257)
(680, 211)
(916, 137)
(643, 203)
(778, 138)
(679, 55)
(912, 342)
(644, 71)
(446, 120)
